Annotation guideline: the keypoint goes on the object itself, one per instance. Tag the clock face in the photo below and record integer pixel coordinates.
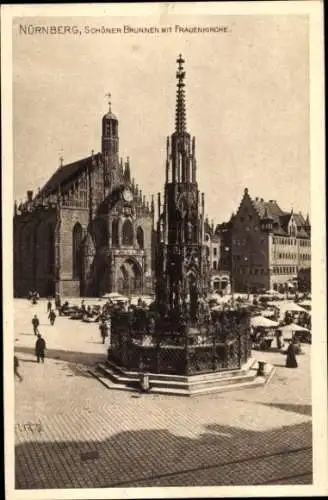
(127, 195)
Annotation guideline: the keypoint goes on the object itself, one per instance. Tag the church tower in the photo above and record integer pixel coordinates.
(180, 255)
(110, 149)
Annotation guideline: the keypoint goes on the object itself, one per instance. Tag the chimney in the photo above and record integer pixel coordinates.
(29, 195)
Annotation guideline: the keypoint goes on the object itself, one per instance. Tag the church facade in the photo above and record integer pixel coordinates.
(88, 231)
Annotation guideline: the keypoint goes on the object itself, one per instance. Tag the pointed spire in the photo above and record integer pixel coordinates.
(180, 115)
(61, 158)
(127, 174)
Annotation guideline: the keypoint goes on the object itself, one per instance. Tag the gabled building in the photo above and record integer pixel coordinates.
(269, 246)
(88, 231)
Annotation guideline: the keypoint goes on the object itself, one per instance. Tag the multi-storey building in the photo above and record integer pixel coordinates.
(88, 231)
(269, 247)
(217, 251)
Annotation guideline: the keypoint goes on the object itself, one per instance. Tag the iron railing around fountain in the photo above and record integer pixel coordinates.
(140, 341)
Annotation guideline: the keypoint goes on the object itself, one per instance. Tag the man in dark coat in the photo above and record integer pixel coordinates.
(291, 356)
(52, 317)
(40, 347)
(49, 306)
(35, 323)
(16, 366)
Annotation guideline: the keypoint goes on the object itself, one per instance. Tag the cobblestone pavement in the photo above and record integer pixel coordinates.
(72, 432)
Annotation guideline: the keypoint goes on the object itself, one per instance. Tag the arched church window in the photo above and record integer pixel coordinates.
(140, 238)
(127, 233)
(77, 251)
(115, 232)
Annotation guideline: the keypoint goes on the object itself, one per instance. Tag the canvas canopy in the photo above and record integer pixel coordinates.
(261, 321)
(293, 327)
(289, 306)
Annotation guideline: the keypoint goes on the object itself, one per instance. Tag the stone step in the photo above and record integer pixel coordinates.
(183, 386)
(190, 385)
(186, 382)
(170, 391)
(109, 383)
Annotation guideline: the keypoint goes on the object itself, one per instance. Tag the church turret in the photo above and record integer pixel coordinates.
(307, 225)
(109, 131)
(110, 147)
(127, 173)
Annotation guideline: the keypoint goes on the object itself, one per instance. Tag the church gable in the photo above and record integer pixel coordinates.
(247, 212)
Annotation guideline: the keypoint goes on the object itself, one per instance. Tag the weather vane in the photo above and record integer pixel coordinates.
(109, 96)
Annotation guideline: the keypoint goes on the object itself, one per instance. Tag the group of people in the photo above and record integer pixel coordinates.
(40, 344)
(33, 297)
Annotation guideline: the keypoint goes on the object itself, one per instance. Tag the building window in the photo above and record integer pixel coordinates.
(77, 251)
(215, 251)
(127, 232)
(215, 265)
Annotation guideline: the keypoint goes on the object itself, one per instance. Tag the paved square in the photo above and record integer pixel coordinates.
(72, 432)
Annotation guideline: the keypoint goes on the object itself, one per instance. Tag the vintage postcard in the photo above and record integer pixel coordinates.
(164, 250)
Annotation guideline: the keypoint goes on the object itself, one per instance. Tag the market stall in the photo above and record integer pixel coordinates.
(264, 332)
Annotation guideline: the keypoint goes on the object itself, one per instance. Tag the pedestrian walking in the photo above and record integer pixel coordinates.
(40, 347)
(52, 317)
(49, 306)
(291, 361)
(103, 331)
(58, 302)
(35, 323)
(16, 372)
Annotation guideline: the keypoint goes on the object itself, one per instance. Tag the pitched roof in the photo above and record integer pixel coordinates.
(280, 217)
(272, 208)
(64, 173)
(299, 219)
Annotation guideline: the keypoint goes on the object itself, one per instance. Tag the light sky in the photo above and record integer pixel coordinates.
(247, 94)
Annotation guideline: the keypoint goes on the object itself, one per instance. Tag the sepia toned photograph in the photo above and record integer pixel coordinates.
(165, 251)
